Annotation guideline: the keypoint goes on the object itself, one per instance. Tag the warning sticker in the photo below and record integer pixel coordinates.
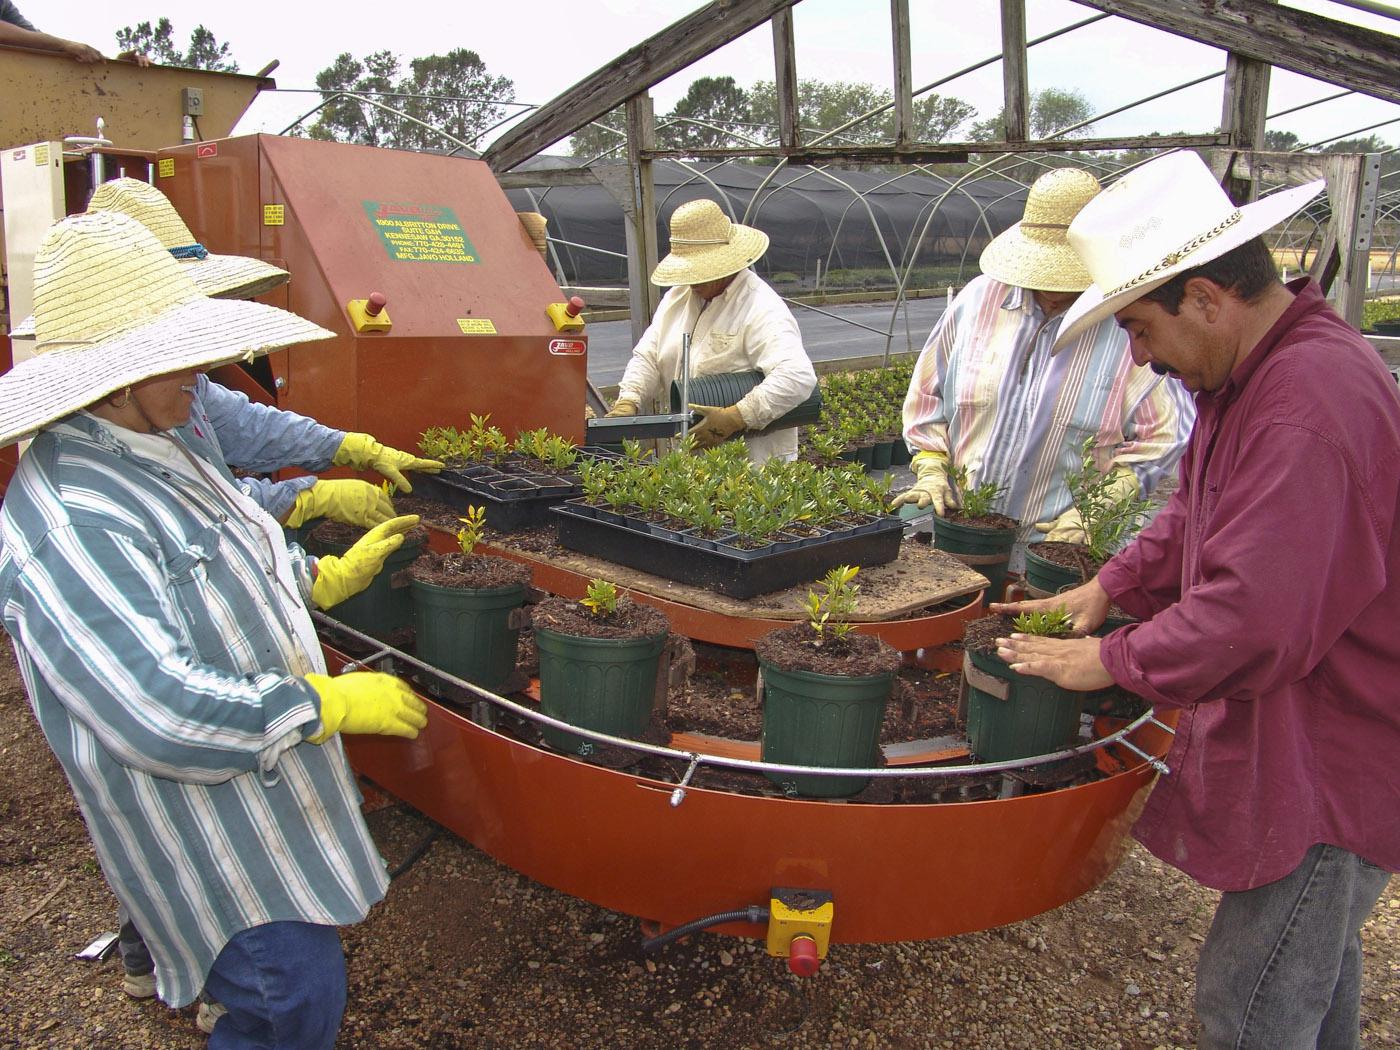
(41, 155)
(166, 167)
(274, 214)
(476, 326)
(420, 233)
(567, 347)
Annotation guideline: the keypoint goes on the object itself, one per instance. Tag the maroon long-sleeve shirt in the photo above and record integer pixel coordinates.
(1270, 590)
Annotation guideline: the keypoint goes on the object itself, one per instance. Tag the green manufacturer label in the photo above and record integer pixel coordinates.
(420, 232)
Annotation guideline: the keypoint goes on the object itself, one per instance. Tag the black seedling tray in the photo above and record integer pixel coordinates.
(612, 431)
(512, 501)
(719, 566)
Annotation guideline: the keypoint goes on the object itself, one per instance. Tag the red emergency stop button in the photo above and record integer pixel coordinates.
(574, 306)
(375, 303)
(803, 959)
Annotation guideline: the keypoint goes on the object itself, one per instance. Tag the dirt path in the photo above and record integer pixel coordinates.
(466, 953)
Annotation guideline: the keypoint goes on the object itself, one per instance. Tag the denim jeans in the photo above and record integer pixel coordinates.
(1281, 966)
(136, 957)
(283, 985)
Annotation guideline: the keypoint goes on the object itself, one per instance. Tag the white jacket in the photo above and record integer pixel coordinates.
(746, 327)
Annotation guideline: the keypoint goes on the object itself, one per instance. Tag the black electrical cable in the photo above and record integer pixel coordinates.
(754, 913)
(416, 853)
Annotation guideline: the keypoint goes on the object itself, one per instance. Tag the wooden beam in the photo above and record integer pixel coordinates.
(642, 253)
(903, 77)
(1016, 112)
(1243, 112)
(785, 78)
(653, 60)
(523, 180)
(1349, 56)
(939, 152)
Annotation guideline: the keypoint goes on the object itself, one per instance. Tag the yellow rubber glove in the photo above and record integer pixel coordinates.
(367, 702)
(338, 578)
(622, 408)
(362, 451)
(350, 501)
(716, 424)
(1069, 526)
(931, 485)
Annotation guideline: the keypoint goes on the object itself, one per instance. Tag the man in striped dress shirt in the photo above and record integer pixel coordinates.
(990, 394)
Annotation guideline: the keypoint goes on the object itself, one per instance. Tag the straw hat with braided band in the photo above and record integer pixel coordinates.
(1036, 253)
(1168, 216)
(112, 308)
(706, 246)
(218, 276)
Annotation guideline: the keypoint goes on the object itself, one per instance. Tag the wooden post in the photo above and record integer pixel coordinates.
(641, 229)
(1352, 180)
(785, 79)
(1016, 113)
(1243, 112)
(903, 78)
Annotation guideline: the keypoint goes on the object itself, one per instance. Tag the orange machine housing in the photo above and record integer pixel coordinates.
(466, 289)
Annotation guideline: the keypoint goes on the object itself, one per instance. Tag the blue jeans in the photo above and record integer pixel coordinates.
(1281, 966)
(136, 957)
(283, 985)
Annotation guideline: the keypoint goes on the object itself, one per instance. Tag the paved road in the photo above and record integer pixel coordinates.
(826, 337)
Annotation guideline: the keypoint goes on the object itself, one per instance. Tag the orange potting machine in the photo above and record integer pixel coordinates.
(441, 307)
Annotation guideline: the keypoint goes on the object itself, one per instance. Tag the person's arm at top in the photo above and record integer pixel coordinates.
(925, 408)
(263, 438)
(641, 379)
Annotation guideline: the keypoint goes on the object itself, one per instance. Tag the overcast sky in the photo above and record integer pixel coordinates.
(545, 46)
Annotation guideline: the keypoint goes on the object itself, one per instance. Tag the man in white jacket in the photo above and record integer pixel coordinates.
(737, 323)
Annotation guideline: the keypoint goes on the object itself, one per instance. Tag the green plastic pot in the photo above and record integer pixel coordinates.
(988, 551)
(466, 631)
(900, 456)
(727, 388)
(1016, 716)
(812, 719)
(383, 607)
(604, 684)
(1044, 577)
(880, 454)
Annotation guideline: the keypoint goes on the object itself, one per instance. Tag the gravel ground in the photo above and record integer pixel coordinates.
(466, 953)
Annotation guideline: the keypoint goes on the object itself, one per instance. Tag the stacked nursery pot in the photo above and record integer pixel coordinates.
(598, 670)
(823, 705)
(982, 543)
(467, 611)
(385, 606)
(1010, 715)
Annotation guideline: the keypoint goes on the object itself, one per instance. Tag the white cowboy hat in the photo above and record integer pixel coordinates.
(1036, 253)
(218, 276)
(112, 308)
(706, 246)
(1158, 220)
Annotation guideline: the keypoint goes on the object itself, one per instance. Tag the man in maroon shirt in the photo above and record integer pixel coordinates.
(1265, 591)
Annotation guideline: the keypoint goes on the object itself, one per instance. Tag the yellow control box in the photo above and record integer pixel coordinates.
(799, 913)
(363, 321)
(566, 316)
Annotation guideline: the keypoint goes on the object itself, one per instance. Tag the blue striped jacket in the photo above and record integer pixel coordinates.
(164, 675)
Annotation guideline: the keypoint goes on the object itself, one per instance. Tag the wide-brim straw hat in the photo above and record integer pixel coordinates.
(217, 276)
(706, 245)
(112, 308)
(1036, 253)
(1161, 219)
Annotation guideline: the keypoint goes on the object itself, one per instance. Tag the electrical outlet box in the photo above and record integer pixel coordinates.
(192, 101)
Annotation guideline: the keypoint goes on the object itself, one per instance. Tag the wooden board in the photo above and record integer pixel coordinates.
(918, 578)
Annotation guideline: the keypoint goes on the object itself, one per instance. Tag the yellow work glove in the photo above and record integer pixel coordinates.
(931, 485)
(1069, 526)
(350, 501)
(716, 424)
(338, 578)
(622, 407)
(367, 702)
(363, 452)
